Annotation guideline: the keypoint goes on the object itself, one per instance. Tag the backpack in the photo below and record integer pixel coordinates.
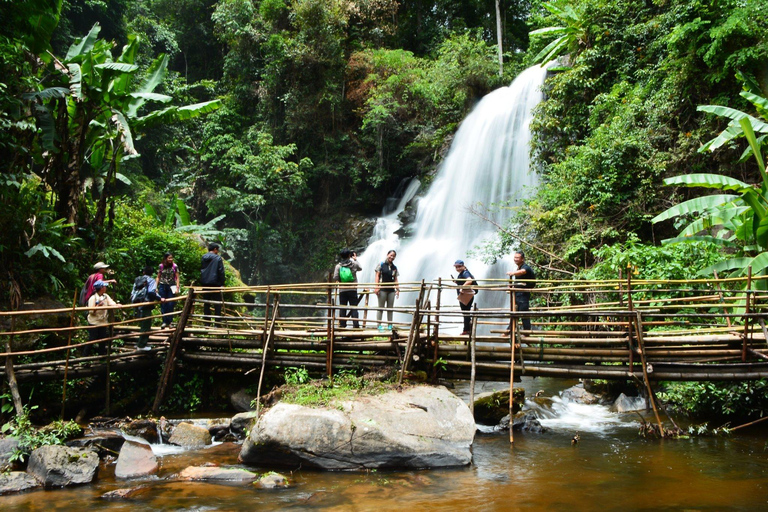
(346, 275)
(139, 292)
(84, 296)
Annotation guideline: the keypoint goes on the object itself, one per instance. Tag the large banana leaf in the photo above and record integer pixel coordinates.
(552, 50)
(155, 76)
(549, 30)
(709, 181)
(727, 265)
(698, 204)
(172, 114)
(752, 139)
(720, 217)
(84, 45)
(702, 238)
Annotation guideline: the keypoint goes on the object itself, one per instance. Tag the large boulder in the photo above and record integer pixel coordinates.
(490, 408)
(136, 460)
(241, 400)
(59, 466)
(419, 427)
(105, 442)
(16, 481)
(190, 436)
(217, 474)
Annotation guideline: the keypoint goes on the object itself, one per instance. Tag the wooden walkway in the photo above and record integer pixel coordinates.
(622, 330)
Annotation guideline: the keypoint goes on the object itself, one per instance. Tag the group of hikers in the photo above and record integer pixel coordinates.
(162, 284)
(153, 285)
(387, 288)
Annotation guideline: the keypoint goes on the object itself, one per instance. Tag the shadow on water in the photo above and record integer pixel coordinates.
(611, 468)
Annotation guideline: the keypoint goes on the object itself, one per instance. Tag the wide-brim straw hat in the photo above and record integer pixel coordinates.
(100, 265)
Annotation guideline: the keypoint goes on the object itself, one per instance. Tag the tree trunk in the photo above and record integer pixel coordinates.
(498, 37)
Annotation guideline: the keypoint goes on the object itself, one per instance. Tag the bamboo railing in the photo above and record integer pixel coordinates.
(650, 330)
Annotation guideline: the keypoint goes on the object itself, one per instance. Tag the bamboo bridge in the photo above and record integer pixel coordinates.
(649, 330)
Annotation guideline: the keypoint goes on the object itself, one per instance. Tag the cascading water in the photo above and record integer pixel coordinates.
(488, 164)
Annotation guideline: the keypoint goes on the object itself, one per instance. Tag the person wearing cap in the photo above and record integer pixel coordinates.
(100, 270)
(98, 316)
(464, 293)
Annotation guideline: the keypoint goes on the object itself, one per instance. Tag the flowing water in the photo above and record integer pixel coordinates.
(611, 468)
(488, 164)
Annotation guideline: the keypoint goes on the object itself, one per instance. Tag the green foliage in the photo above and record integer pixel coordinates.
(729, 400)
(31, 438)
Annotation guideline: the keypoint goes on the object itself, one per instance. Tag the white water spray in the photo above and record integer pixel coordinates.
(488, 164)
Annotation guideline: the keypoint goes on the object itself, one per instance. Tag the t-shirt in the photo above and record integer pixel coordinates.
(168, 274)
(387, 272)
(99, 316)
(529, 274)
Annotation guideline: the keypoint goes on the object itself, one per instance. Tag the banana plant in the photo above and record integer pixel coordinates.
(569, 36)
(739, 217)
(88, 115)
(179, 219)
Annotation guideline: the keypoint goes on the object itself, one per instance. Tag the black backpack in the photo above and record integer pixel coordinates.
(139, 292)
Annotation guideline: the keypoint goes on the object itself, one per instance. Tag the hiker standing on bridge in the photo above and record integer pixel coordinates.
(167, 287)
(522, 295)
(144, 290)
(466, 295)
(100, 271)
(346, 274)
(212, 274)
(98, 317)
(387, 287)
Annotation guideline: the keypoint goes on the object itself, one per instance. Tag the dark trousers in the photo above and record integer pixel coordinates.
(348, 297)
(164, 291)
(467, 318)
(216, 307)
(522, 303)
(144, 325)
(95, 333)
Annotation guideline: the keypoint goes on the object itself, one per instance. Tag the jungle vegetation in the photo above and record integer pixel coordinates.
(269, 125)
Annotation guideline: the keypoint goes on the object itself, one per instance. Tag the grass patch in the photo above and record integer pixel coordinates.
(331, 392)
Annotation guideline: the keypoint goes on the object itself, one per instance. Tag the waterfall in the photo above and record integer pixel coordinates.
(488, 163)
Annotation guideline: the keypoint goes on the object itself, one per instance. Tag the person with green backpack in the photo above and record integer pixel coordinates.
(345, 273)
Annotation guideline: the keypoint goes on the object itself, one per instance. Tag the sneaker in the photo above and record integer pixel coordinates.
(464, 333)
(144, 348)
(163, 326)
(381, 328)
(389, 327)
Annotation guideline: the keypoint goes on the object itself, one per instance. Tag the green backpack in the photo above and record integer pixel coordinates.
(346, 275)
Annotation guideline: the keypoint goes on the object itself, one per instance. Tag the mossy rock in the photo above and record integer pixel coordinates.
(490, 408)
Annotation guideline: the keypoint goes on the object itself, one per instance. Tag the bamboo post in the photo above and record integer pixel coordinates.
(720, 295)
(15, 395)
(746, 315)
(412, 334)
(173, 348)
(266, 319)
(641, 344)
(473, 370)
(621, 295)
(331, 331)
(437, 328)
(512, 329)
(270, 333)
(66, 364)
(111, 333)
(365, 311)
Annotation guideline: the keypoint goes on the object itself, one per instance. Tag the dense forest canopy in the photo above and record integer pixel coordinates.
(273, 125)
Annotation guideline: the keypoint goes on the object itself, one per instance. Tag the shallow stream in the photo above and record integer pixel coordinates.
(610, 468)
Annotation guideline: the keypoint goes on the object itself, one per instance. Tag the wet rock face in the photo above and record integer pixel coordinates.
(579, 395)
(136, 460)
(8, 446)
(242, 422)
(145, 429)
(103, 441)
(419, 427)
(626, 403)
(490, 408)
(190, 436)
(16, 481)
(59, 466)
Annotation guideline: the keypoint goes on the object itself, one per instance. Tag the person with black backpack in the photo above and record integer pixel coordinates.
(144, 290)
(346, 274)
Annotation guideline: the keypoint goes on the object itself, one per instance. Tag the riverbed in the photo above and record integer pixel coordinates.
(610, 468)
